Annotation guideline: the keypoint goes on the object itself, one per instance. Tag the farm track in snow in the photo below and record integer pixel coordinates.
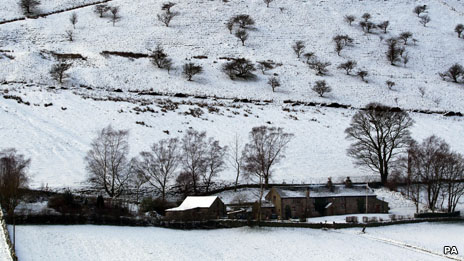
(402, 245)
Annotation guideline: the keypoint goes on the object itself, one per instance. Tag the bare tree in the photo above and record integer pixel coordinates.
(319, 66)
(390, 84)
(73, 19)
(310, 56)
(452, 178)
(160, 59)
(267, 2)
(235, 157)
(115, 14)
(459, 29)
(348, 66)
(405, 58)
(393, 52)
(425, 19)
(107, 162)
(366, 17)
(367, 26)
(214, 157)
(321, 88)
(244, 20)
(419, 9)
(405, 36)
(13, 178)
(101, 9)
(298, 48)
(384, 25)
(265, 66)
(167, 6)
(362, 74)
(166, 17)
(13, 181)
(429, 164)
(454, 73)
(193, 151)
(265, 149)
(159, 165)
(28, 6)
(341, 41)
(350, 19)
(413, 185)
(184, 183)
(242, 35)
(239, 68)
(380, 134)
(137, 181)
(58, 71)
(230, 25)
(69, 34)
(191, 69)
(274, 83)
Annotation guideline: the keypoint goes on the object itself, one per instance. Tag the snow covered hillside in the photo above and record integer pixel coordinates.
(57, 137)
(137, 243)
(200, 30)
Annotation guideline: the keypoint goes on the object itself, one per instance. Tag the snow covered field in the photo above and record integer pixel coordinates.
(146, 243)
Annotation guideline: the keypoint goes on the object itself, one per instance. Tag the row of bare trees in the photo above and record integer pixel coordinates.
(434, 174)
(192, 162)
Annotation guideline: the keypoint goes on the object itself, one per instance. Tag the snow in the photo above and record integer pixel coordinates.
(11, 10)
(246, 195)
(57, 139)
(192, 202)
(4, 251)
(147, 243)
(317, 191)
(431, 236)
(200, 30)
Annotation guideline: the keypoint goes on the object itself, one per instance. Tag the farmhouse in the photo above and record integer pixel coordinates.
(321, 200)
(197, 208)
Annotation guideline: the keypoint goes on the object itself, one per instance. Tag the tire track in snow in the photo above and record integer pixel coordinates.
(402, 245)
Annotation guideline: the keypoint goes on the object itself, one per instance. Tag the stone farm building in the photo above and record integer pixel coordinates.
(195, 208)
(320, 200)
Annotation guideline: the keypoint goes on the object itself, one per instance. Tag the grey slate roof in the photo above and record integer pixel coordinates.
(321, 191)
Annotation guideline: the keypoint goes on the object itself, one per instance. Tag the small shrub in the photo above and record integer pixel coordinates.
(321, 88)
(239, 68)
(298, 48)
(274, 83)
(191, 69)
(454, 73)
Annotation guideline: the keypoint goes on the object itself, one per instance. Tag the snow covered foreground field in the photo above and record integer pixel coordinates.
(143, 243)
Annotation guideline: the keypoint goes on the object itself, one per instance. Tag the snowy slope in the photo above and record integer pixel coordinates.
(57, 137)
(136, 243)
(200, 30)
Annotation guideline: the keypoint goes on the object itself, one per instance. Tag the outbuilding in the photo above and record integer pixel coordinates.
(197, 208)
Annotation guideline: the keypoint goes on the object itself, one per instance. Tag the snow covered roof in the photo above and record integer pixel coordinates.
(321, 191)
(192, 202)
